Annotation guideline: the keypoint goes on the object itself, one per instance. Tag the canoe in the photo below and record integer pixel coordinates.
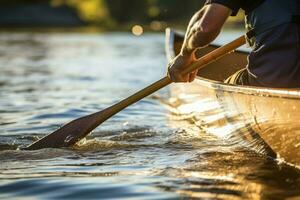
(265, 119)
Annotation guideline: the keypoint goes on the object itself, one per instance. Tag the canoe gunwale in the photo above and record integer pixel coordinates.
(249, 90)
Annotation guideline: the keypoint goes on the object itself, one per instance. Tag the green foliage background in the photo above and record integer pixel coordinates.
(115, 13)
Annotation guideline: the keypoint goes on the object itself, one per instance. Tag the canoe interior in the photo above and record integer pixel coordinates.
(221, 69)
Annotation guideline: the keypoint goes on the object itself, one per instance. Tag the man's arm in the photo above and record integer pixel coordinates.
(203, 28)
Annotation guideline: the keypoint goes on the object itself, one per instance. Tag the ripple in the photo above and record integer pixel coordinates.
(92, 188)
(71, 113)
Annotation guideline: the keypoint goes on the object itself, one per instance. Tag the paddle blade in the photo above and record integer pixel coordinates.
(75, 130)
(67, 135)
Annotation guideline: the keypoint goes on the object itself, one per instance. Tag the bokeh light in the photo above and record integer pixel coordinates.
(137, 30)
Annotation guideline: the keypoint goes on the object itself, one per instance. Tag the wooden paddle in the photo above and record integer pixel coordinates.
(79, 128)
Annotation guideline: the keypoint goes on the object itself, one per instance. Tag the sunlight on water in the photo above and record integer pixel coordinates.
(158, 148)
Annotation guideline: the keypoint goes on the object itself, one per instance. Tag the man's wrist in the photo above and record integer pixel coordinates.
(188, 53)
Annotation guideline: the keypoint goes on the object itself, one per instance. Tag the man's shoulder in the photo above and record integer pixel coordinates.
(234, 5)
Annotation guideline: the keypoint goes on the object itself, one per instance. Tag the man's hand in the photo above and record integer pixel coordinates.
(203, 28)
(178, 65)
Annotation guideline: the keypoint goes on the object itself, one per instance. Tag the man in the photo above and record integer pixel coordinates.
(274, 36)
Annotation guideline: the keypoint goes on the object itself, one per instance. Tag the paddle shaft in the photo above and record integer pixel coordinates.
(200, 63)
(79, 128)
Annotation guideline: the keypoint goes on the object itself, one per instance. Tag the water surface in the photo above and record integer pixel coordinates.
(144, 152)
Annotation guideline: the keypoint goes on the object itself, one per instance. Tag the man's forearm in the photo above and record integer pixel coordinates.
(186, 49)
(203, 28)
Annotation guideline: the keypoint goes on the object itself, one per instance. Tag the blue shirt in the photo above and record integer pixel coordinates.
(236, 5)
(275, 59)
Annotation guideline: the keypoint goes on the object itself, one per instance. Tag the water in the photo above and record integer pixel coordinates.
(144, 152)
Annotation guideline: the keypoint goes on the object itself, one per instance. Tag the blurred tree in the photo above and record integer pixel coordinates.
(18, 2)
(111, 13)
(123, 11)
(173, 9)
(93, 11)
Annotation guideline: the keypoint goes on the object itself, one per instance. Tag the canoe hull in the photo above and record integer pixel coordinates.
(266, 119)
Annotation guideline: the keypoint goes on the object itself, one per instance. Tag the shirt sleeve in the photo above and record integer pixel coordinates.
(234, 5)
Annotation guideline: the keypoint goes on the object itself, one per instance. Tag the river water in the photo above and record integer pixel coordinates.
(144, 152)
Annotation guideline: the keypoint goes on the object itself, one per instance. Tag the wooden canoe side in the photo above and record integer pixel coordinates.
(268, 113)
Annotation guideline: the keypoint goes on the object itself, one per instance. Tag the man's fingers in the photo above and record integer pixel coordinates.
(171, 76)
(177, 77)
(193, 75)
(177, 66)
(180, 79)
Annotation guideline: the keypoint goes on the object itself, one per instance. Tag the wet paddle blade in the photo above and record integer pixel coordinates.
(67, 135)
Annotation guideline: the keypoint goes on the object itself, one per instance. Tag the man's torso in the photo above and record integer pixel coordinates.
(275, 58)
